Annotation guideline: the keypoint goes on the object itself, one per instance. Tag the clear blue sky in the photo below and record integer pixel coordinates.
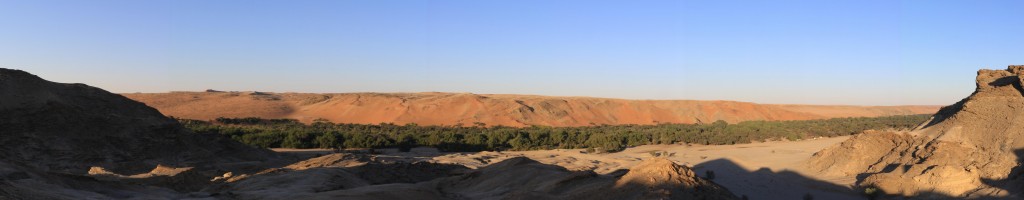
(802, 52)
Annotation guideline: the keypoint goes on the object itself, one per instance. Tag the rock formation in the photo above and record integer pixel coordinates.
(488, 109)
(967, 149)
(52, 134)
(663, 179)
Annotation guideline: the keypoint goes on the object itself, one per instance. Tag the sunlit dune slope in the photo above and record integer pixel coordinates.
(471, 109)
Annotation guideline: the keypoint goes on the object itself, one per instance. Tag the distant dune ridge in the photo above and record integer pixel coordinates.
(489, 109)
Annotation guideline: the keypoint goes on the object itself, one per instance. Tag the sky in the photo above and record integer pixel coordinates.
(781, 52)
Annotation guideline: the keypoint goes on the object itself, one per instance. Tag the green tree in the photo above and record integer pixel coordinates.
(328, 140)
(291, 141)
(520, 142)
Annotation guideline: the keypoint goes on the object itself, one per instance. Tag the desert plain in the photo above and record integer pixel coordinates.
(74, 141)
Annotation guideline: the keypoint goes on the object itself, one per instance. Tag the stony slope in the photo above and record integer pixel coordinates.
(51, 134)
(507, 110)
(968, 149)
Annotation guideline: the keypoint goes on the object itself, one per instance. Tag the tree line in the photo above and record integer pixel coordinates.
(290, 133)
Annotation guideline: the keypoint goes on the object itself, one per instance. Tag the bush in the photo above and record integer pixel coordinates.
(872, 192)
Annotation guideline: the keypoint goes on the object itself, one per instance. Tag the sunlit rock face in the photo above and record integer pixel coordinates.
(967, 149)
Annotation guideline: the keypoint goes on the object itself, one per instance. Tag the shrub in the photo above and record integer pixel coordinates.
(872, 192)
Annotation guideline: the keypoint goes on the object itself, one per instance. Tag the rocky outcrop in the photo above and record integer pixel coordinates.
(862, 152)
(903, 164)
(663, 179)
(952, 155)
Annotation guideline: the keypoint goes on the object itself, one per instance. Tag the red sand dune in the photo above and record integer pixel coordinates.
(490, 109)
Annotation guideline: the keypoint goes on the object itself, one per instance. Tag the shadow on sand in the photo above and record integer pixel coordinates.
(767, 184)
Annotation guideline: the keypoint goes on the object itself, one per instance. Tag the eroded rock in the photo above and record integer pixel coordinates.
(973, 145)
